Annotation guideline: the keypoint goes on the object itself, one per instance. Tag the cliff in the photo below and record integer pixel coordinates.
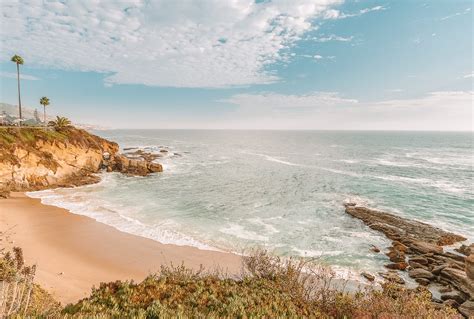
(34, 159)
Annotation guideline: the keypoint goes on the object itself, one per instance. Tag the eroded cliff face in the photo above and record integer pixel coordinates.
(33, 159)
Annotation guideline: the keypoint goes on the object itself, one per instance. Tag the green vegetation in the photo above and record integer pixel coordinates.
(18, 60)
(29, 136)
(268, 287)
(19, 296)
(45, 102)
(60, 123)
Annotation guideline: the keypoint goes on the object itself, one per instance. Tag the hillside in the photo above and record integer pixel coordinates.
(35, 158)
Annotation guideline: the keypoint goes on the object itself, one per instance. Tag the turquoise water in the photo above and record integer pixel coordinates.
(284, 190)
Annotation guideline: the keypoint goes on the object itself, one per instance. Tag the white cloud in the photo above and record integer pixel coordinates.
(332, 37)
(12, 75)
(466, 11)
(336, 14)
(282, 101)
(467, 76)
(317, 56)
(447, 110)
(209, 43)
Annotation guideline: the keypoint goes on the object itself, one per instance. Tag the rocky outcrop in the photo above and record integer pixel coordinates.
(34, 159)
(404, 230)
(132, 166)
(467, 309)
(418, 248)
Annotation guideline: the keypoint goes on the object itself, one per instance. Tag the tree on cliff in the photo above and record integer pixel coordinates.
(18, 60)
(60, 123)
(45, 102)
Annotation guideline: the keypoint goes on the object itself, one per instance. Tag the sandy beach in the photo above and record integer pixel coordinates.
(74, 252)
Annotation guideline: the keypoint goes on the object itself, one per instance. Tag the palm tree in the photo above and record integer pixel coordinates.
(18, 60)
(60, 123)
(45, 102)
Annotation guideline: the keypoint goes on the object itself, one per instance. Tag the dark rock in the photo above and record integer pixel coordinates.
(398, 228)
(133, 166)
(414, 264)
(454, 256)
(392, 277)
(454, 295)
(375, 249)
(155, 168)
(425, 247)
(470, 267)
(397, 266)
(458, 279)
(437, 270)
(423, 281)
(467, 309)
(466, 249)
(420, 273)
(429, 263)
(368, 276)
(399, 246)
(419, 260)
(445, 289)
(396, 255)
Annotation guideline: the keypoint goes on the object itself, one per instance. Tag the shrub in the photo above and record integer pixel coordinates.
(269, 287)
(19, 295)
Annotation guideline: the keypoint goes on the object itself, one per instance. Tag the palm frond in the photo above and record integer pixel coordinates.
(17, 59)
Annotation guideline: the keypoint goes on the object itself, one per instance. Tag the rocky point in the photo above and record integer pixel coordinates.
(418, 248)
(37, 158)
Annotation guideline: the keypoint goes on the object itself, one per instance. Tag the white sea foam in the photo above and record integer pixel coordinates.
(445, 186)
(268, 227)
(317, 253)
(110, 215)
(348, 161)
(359, 201)
(274, 159)
(240, 232)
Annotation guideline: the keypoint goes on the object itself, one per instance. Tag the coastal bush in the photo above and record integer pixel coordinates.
(60, 123)
(19, 296)
(269, 287)
(29, 136)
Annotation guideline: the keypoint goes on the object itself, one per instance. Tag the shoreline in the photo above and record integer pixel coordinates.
(90, 252)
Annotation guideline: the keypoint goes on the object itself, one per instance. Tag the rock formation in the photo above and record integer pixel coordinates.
(418, 248)
(34, 159)
(132, 166)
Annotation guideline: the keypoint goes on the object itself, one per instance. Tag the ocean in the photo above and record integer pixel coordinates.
(283, 190)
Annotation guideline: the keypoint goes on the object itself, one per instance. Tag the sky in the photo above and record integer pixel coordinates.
(243, 64)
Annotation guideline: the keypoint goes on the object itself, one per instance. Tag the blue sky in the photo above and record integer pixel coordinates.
(320, 64)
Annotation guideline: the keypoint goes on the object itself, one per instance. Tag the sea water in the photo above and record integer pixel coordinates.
(283, 190)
